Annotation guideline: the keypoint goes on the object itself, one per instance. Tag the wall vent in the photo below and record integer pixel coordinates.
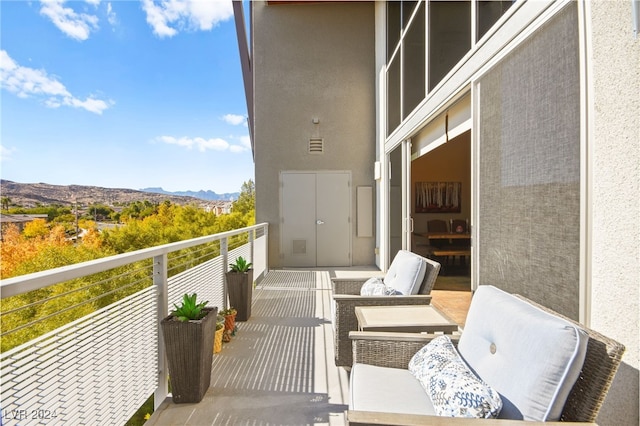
(299, 247)
(316, 146)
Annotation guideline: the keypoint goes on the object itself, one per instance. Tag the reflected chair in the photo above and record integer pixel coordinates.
(437, 225)
(346, 296)
(460, 226)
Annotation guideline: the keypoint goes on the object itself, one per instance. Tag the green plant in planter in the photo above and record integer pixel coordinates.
(190, 309)
(228, 311)
(191, 325)
(240, 287)
(241, 265)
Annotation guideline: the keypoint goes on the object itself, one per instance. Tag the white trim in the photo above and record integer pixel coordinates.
(586, 179)
(475, 186)
(407, 225)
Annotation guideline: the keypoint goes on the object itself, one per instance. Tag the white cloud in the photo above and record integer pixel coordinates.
(201, 144)
(245, 144)
(111, 15)
(234, 119)
(27, 82)
(6, 153)
(245, 141)
(167, 17)
(75, 25)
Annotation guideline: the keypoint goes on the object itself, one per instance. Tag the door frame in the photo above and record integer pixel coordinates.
(407, 221)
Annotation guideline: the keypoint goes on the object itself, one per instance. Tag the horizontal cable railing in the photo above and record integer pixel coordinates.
(81, 344)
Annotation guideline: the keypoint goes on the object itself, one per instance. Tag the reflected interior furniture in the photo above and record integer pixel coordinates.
(407, 319)
(460, 226)
(427, 246)
(515, 329)
(346, 296)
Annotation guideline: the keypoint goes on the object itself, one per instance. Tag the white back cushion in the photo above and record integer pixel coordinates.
(406, 272)
(532, 358)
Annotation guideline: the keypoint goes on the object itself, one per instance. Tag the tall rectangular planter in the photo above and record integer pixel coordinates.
(188, 345)
(240, 290)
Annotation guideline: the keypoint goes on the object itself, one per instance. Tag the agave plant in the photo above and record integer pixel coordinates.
(190, 308)
(241, 265)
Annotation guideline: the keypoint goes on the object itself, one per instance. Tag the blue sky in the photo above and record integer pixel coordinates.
(123, 94)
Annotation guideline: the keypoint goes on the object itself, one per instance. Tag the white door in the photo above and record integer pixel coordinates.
(315, 219)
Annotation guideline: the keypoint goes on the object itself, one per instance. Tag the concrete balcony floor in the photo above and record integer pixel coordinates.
(279, 367)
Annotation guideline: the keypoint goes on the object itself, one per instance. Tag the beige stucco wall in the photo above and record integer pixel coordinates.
(615, 196)
(313, 61)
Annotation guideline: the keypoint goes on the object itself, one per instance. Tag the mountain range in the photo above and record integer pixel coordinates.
(32, 194)
(203, 195)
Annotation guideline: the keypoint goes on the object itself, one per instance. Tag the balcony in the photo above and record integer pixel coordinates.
(101, 367)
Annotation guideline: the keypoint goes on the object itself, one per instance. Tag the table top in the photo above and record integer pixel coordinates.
(413, 318)
(444, 235)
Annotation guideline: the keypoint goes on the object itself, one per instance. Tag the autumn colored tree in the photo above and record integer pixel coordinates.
(45, 246)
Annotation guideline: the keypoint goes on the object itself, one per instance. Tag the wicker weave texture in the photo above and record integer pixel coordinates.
(345, 317)
(189, 354)
(346, 321)
(383, 353)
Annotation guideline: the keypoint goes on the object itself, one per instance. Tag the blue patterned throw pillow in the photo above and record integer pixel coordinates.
(376, 287)
(455, 391)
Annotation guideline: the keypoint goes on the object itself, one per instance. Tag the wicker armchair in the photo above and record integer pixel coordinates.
(603, 356)
(346, 296)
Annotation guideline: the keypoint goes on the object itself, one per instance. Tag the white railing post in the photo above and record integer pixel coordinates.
(160, 281)
(266, 249)
(251, 234)
(224, 253)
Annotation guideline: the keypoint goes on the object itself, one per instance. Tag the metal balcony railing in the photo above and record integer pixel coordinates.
(108, 357)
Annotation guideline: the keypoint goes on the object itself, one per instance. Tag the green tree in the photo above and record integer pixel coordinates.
(99, 211)
(6, 202)
(246, 201)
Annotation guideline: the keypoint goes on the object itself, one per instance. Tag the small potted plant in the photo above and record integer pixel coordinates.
(188, 337)
(217, 340)
(240, 287)
(229, 315)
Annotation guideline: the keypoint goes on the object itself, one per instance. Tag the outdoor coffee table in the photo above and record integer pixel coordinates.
(409, 319)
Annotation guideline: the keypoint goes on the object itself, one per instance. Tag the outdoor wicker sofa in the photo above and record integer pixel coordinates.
(346, 296)
(517, 366)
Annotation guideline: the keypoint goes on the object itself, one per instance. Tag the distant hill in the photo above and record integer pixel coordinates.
(31, 194)
(203, 195)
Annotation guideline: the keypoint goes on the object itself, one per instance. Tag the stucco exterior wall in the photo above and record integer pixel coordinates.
(615, 196)
(313, 61)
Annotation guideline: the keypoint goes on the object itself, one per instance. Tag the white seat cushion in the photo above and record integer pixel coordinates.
(387, 390)
(406, 272)
(532, 358)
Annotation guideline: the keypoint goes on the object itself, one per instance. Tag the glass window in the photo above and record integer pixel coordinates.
(394, 11)
(393, 95)
(413, 69)
(449, 36)
(488, 14)
(407, 10)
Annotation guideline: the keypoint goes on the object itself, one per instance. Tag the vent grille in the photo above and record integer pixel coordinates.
(299, 246)
(316, 146)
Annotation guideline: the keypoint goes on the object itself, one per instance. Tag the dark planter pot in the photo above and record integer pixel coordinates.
(188, 346)
(240, 289)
